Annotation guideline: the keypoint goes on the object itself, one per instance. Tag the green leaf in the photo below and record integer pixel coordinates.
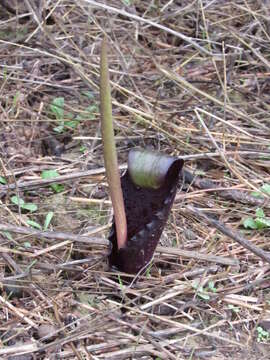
(120, 282)
(49, 174)
(27, 244)
(233, 308)
(148, 270)
(260, 213)
(204, 296)
(211, 286)
(3, 180)
(30, 207)
(34, 224)
(92, 109)
(249, 223)
(262, 223)
(88, 94)
(57, 107)
(89, 113)
(83, 148)
(58, 187)
(69, 115)
(17, 200)
(72, 123)
(263, 335)
(266, 188)
(16, 98)
(199, 172)
(256, 194)
(59, 129)
(48, 219)
(200, 291)
(7, 235)
(20, 202)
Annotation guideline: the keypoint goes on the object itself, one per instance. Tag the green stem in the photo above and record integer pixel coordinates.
(109, 149)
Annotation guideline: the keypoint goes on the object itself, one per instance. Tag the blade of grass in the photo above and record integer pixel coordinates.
(110, 156)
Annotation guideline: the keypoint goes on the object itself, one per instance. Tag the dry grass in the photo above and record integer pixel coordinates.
(188, 78)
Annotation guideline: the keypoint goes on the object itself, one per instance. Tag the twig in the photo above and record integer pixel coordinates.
(231, 234)
(222, 154)
(20, 349)
(152, 23)
(197, 255)
(233, 194)
(215, 154)
(59, 179)
(45, 182)
(17, 312)
(230, 109)
(54, 235)
(165, 320)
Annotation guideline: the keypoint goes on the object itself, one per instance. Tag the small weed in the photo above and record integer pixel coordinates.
(89, 94)
(16, 98)
(88, 114)
(211, 286)
(3, 180)
(83, 149)
(199, 172)
(233, 308)
(7, 235)
(27, 244)
(201, 292)
(260, 221)
(57, 108)
(51, 174)
(34, 224)
(148, 270)
(67, 121)
(23, 205)
(264, 189)
(262, 335)
(47, 222)
(120, 282)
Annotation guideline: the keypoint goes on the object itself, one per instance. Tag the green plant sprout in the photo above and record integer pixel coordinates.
(109, 149)
(148, 270)
(201, 292)
(148, 189)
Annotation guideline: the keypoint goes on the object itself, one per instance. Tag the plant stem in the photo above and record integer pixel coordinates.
(109, 149)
